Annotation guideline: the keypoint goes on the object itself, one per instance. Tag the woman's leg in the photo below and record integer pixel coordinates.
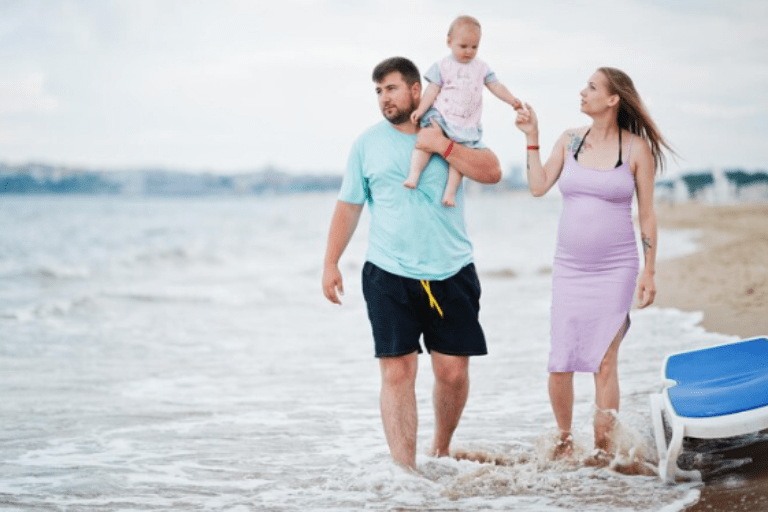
(607, 391)
(561, 398)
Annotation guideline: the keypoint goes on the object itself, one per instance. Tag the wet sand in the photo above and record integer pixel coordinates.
(728, 281)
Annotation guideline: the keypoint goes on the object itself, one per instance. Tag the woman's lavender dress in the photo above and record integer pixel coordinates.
(596, 265)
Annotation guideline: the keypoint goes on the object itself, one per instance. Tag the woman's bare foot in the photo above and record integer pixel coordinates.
(605, 424)
(564, 447)
(598, 459)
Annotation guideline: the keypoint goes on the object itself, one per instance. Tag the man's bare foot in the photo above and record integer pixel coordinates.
(483, 458)
(435, 452)
(406, 467)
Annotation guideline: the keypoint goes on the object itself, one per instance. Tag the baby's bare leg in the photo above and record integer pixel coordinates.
(419, 161)
(454, 180)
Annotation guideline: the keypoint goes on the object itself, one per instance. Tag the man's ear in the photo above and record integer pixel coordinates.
(416, 90)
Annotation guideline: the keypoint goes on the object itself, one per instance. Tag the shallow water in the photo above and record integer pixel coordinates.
(178, 354)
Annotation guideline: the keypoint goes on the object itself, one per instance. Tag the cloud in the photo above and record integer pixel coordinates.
(236, 83)
(26, 94)
(722, 112)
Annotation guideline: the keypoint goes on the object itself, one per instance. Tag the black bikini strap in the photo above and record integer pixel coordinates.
(576, 153)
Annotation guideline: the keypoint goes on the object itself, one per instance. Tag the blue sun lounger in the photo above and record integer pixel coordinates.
(715, 392)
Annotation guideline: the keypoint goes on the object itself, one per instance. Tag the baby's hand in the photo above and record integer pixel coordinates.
(517, 104)
(415, 116)
(526, 119)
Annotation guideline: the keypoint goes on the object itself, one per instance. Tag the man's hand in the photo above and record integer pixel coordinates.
(333, 285)
(431, 139)
(343, 225)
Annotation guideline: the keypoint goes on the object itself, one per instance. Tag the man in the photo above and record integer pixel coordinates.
(418, 277)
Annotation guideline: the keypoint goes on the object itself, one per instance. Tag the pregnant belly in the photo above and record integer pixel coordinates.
(596, 237)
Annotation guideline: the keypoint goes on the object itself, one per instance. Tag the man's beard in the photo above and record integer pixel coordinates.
(401, 116)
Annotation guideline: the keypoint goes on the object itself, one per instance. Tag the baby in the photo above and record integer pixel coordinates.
(454, 99)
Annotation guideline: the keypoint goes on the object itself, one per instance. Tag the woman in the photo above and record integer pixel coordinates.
(599, 169)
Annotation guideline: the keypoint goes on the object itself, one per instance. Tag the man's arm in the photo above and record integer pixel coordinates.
(480, 165)
(343, 224)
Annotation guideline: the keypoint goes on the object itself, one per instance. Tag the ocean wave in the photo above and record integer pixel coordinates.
(47, 309)
(53, 271)
(160, 297)
(205, 295)
(175, 254)
(512, 478)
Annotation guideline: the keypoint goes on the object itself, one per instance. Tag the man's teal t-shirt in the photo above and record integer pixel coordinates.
(411, 233)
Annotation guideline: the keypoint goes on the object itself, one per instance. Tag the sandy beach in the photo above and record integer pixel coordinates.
(727, 280)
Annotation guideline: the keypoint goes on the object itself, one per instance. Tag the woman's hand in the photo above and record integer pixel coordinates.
(646, 290)
(526, 119)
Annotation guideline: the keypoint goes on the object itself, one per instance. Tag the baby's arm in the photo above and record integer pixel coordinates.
(429, 97)
(500, 91)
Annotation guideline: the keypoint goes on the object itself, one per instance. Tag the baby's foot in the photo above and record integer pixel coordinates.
(410, 183)
(449, 201)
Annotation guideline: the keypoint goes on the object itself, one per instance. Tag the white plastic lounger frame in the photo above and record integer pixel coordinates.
(715, 392)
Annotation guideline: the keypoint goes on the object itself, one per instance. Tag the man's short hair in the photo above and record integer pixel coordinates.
(406, 68)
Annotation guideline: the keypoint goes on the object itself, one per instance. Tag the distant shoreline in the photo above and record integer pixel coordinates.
(40, 179)
(715, 185)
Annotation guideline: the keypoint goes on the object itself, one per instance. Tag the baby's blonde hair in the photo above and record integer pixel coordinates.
(463, 20)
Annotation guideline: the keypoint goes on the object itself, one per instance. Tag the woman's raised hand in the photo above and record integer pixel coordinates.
(526, 119)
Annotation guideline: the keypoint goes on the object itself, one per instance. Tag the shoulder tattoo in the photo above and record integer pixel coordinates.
(575, 141)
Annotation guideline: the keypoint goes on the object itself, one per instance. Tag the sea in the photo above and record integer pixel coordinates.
(177, 353)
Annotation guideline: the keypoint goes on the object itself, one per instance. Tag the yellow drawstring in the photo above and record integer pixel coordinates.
(432, 301)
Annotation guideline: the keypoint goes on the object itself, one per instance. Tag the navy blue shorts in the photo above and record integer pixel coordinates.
(445, 312)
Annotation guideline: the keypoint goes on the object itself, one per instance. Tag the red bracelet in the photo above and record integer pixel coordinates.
(448, 151)
(536, 148)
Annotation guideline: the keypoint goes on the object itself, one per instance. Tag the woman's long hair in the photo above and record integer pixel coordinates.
(633, 115)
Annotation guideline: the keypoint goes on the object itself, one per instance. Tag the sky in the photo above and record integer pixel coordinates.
(239, 85)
